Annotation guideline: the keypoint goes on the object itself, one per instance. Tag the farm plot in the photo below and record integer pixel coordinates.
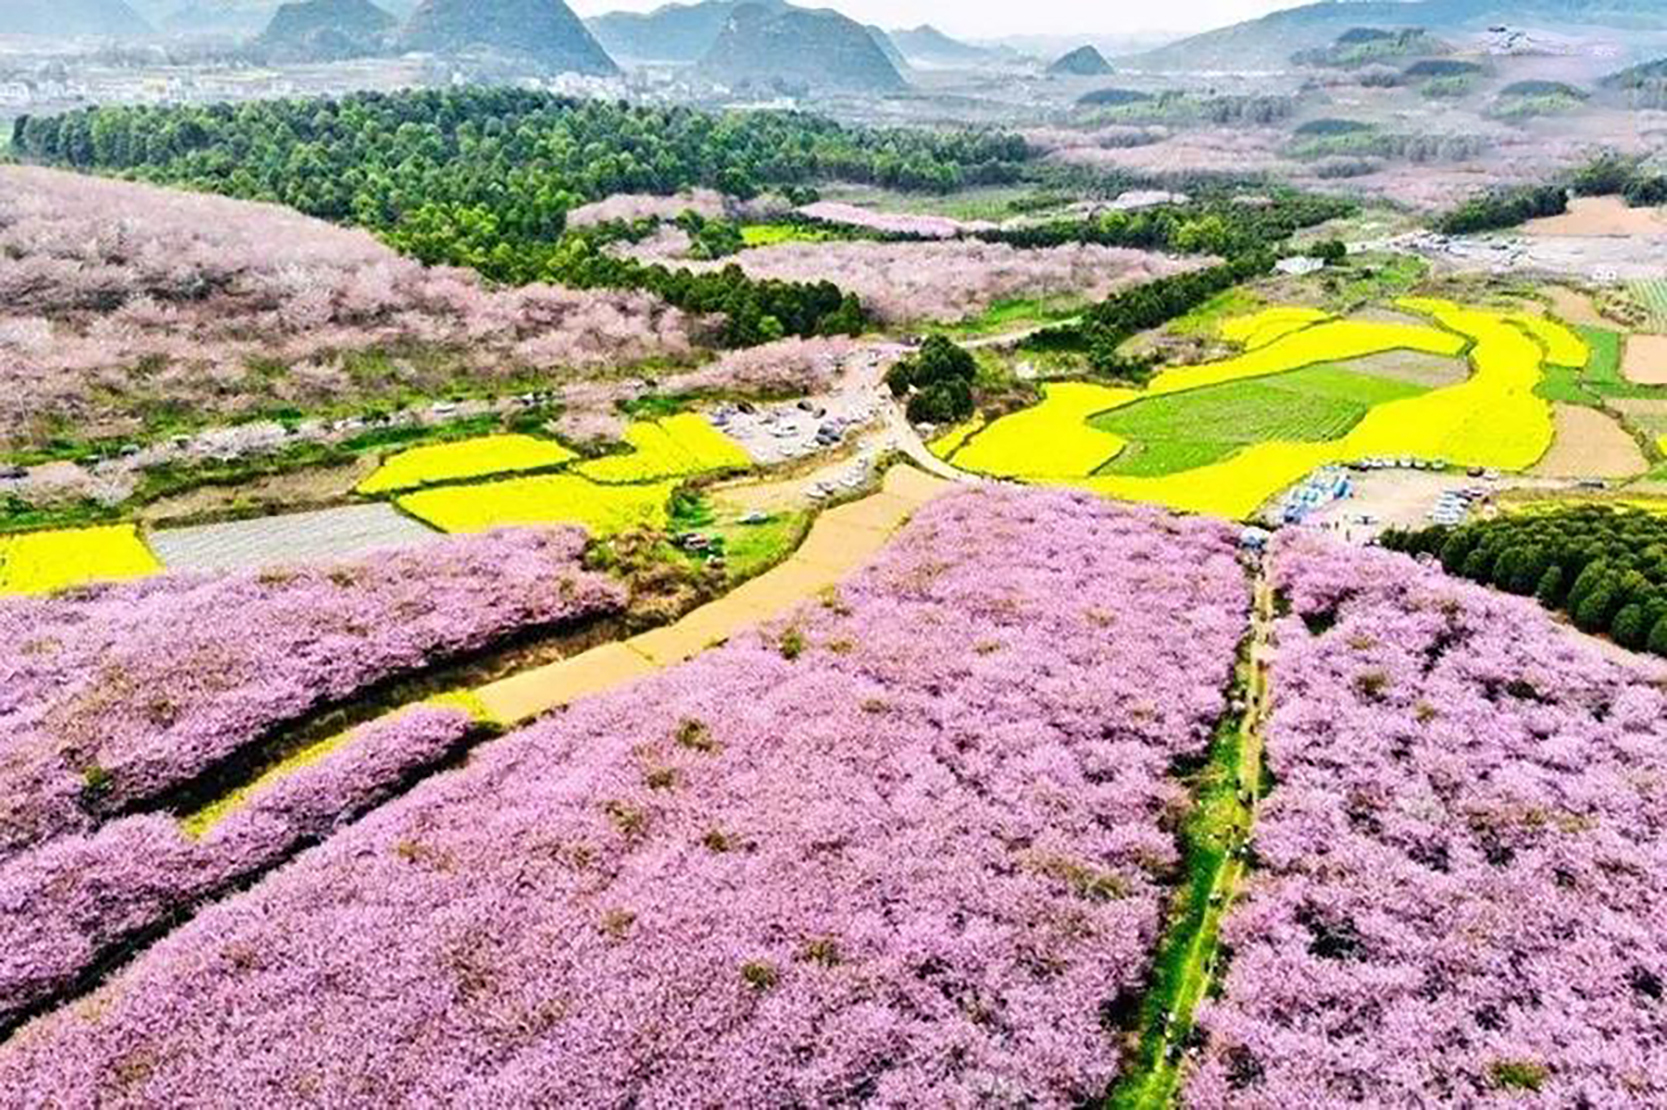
(603, 510)
(1185, 430)
(1338, 341)
(42, 562)
(1590, 444)
(675, 447)
(1258, 329)
(1492, 419)
(1562, 346)
(1652, 295)
(1646, 360)
(481, 457)
(329, 534)
(1050, 440)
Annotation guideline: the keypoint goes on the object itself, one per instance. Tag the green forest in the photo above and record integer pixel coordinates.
(485, 178)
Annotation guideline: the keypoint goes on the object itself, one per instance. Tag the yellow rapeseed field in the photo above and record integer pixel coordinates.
(676, 447)
(40, 562)
(1563, 347)
(1050, 440)
(547, 499)
(1337, 341)
(1491, 420)
(470, 458)
(953, 440)
(1258, 329)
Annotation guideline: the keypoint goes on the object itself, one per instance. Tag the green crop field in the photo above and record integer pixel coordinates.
(1604, 375)
(1653, 296)
(1177, 432)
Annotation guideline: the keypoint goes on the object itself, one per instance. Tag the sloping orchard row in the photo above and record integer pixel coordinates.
(111, 699)
(907, 849)
(79, 902)
(1458, 900)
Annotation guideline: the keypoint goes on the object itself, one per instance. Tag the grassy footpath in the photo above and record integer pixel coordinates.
(1226, 793)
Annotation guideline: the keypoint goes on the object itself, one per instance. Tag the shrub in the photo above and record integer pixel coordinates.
(1628, 628)
(1549, 592)
(1658, 637)
(1597, 606)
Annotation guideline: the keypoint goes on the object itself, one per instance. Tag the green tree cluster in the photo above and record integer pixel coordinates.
(937, 379)
(1604, 566)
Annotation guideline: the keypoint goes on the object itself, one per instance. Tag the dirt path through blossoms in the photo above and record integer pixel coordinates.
(840, 541)
(1218, 846)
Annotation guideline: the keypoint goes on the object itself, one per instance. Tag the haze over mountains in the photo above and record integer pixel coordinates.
(71, 17)
(686, 33)
(1268, 42)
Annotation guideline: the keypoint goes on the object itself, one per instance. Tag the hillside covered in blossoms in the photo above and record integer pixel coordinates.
(554, 557)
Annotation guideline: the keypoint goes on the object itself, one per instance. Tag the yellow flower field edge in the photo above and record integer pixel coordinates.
(1562, 346)
(481, 457)
(953, 440)
(1492, 420)
(42, 562)
(1258, 329)
(1337, 341)
(1049, 440)
(676, 447)
(602, 510)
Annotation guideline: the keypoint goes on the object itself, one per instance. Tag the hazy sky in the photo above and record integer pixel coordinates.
(998, 17)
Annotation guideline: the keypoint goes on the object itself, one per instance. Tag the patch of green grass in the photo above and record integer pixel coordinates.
(1180, 431)
(1604, 375)
(1518, 1075)
(1207, 838)
(1161, 457)
(1564, 385)
(1207, 317)
(1015, 314)
(752, 549)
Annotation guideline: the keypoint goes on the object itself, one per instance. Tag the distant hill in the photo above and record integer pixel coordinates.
(673, 33)
(798, 49)
(1360, 46)
(888, 48)
(1268, 42)
(65, 18)
(928, 44)
(326, 30)
(545, 31)
(1084, 61)
(1639, 76)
